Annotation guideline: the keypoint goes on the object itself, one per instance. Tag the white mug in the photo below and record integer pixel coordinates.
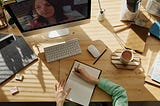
(126, 56)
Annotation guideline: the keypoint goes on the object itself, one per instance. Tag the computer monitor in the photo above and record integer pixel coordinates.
(37, 16)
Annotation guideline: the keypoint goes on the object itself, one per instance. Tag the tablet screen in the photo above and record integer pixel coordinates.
(6, 40)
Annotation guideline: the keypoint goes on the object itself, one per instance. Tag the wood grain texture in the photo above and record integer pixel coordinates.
(40, 77)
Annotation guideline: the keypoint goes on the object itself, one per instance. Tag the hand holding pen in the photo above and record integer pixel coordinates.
(83, 74)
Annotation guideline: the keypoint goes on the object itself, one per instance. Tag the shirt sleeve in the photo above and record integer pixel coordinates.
(117, 92)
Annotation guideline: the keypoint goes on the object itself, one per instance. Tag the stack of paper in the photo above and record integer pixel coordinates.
(155, 72)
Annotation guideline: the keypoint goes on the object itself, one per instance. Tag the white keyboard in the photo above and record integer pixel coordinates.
(62, 50)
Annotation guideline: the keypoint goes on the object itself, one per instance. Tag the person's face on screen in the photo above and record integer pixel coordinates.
(44, 8)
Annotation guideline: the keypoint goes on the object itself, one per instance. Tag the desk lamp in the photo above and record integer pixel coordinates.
(101, 14)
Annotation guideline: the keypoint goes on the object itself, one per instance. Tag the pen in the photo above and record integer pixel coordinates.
(78, 65)
(77, 68)
(100, 56)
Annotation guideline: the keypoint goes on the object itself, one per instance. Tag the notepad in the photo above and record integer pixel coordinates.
(153, 76)
(155, 70)
(81, 91)
(156, 73)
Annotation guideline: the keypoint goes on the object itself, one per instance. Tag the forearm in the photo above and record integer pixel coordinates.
(117, 92)
(59, 104)
(94, 80)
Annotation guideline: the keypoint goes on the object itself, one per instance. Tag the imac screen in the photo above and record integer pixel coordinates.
(30, 15)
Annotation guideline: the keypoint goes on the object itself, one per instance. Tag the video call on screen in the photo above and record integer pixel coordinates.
(72, 9)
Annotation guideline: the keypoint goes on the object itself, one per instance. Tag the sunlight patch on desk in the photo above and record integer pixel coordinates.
(39, 69)
(154, 90)
(135, 42)
(38, 83)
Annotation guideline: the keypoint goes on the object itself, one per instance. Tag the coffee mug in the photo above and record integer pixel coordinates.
(126, 56)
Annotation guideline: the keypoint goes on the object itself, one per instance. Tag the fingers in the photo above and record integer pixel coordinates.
(76, 69)
(67, 91)
(56, 87)
(79, 72)
(76, 73)
(60, 85)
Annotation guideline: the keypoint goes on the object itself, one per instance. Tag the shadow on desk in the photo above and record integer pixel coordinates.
(53, 67)
(139, 34)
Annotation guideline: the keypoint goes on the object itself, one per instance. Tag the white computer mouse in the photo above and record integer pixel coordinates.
(93, 51)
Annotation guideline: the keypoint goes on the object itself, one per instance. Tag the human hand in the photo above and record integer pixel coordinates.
(35, 24)
(82, 73)
(61, 94)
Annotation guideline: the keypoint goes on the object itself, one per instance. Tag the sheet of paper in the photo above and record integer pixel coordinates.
(155, 64)
(81, 91)
(155, 72)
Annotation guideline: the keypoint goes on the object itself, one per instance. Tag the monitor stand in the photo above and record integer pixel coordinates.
(58, 33)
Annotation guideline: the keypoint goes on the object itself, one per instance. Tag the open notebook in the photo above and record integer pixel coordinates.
(81, 91)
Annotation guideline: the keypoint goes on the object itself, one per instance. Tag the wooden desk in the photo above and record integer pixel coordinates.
(40, 77)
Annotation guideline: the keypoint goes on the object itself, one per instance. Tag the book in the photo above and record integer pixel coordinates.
(153, 76)
(81, 91)
(156, 73)
(155, 70)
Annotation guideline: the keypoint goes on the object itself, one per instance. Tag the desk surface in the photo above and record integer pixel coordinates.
(40, 77)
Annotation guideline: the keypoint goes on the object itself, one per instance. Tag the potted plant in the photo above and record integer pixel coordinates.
(3, 23)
